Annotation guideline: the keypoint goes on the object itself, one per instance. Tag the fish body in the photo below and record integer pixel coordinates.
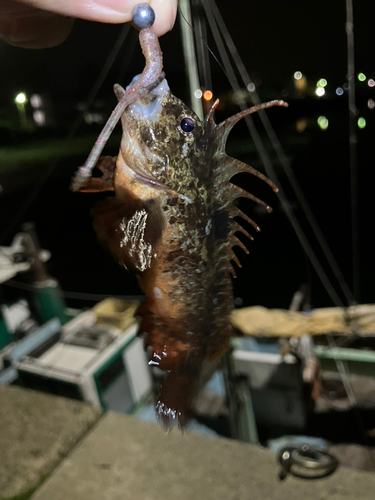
(171, 221)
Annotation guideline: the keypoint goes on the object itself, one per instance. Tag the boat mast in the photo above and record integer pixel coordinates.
(353, 151)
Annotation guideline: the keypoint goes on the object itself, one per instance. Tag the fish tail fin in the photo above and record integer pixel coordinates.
(173, 406)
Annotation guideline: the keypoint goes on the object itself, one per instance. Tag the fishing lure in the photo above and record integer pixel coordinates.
(171, 221)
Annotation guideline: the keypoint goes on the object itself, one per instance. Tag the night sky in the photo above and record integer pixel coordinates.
(275, 39)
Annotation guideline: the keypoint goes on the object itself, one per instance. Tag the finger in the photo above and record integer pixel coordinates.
(109, 11)
(165, 15)
(36, 23)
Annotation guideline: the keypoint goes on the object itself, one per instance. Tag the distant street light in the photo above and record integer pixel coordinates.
(21, 98)
(361, 77)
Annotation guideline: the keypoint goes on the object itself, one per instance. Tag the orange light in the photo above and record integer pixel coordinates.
(208, 95)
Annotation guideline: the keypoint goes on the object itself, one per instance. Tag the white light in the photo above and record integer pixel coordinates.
(21, 98)
(39, 117)
(297, 75)
(93, 118)
(371, 83)
(339, 91)
(371, 104)
(320, 91)
(198, 94)
(251, 87)
(36, 101)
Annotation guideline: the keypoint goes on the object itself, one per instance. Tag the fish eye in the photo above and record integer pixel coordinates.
(186, 125)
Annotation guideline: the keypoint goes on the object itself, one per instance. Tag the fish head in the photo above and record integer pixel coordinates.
(163, 139)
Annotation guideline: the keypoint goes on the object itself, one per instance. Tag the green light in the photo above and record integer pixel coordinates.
(323, 122)
(21, 98)
(322, 82)
(361, 77)
(361, 122)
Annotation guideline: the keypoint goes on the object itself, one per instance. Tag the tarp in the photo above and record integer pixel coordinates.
(262, 322)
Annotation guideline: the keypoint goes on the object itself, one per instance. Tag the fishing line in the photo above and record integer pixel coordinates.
(94, 297)
(130, 48)
(281, 156)
(203, 56)
(268, 164)
(205, 43)
(342, 370)
(272, 174)
(102, 77)
(215, 13)
(73, 130)
(353, 161)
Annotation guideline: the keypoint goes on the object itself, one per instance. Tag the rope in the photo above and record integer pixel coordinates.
(268, 164)
(282, 156)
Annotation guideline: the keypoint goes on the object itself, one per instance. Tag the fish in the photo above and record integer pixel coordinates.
(170, 219)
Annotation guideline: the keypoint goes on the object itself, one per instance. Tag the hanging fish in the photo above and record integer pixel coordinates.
(171, 221)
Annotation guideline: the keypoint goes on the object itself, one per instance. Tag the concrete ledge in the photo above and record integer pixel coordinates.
(123, 458)
(36, 432)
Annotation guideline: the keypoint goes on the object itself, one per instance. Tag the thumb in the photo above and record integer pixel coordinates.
(109, 11)
(46, 23)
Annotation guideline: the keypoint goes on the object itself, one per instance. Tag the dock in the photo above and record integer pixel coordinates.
(52, 447)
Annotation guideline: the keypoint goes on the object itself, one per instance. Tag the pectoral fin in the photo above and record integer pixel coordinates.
(130, 231)
(107, 165)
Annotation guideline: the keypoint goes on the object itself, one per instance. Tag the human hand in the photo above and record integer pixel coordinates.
(38, 24)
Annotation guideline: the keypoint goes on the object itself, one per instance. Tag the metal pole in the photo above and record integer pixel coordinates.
(22, 113)
(189, 55)
(353, 151)
(203, 60)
